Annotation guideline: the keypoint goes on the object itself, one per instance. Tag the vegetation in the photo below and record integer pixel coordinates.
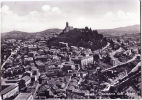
(80, 38)
(35, 35)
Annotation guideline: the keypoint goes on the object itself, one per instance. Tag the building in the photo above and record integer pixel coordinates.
(27, 80)
(24, 96)
(53, 51)
(113, 61)
(32, 48)
(67, 28)
(42, 58)
(41, 44)
(83, 61)
(123, 74)
(32, 54)
(41, 52)
(41, 66)
(27, 73)
(128, 52)
(63, 44)
(135, 50)
(73, 48)
(9, 91)
(75, 94)
(28, 60)
(35, 71)
(132, 93)
(68, 66)
(24, 49)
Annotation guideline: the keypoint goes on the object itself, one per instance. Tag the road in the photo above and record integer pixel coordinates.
(9, 57)
(67, 83)
(118, 50)
(108, 44)
(6, 61)
(35, 93)
(123, 63)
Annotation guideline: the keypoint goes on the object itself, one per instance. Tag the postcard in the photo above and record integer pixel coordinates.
(70, 49)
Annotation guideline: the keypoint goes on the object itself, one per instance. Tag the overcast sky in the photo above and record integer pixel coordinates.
(34, 16)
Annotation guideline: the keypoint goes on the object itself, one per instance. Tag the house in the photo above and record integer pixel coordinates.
(41, 66)
(10, 91)
(68, 66)
(113, 61)
(41, 44)
(27, 79)
(32, 53)
(27, 73)
(28, 60)
(132, 93)
(41, 52)
(62, 44)
(41, 58)
(32, 47)
(135, 50)
(74, 48)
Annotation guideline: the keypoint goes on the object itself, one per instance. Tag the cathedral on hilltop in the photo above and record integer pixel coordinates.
(67, 28)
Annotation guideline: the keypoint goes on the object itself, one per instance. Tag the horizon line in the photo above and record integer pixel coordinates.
(75, 27)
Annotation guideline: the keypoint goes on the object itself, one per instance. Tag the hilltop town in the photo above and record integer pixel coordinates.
(76, 64)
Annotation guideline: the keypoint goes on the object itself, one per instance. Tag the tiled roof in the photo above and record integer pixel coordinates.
(26, 78)
(6, 90)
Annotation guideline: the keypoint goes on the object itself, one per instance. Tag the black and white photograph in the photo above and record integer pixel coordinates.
(70, 49)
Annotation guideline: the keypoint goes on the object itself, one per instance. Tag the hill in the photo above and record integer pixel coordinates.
(80, 38)
(25, 35)
(48, 33)
(16, 35)
(120, 31)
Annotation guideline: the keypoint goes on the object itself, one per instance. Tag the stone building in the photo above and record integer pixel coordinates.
(68, 28)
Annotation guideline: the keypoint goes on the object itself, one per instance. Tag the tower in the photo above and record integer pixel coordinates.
(67, 24)
(68, 28)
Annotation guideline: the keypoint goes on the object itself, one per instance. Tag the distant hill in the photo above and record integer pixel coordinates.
(25, 35)
(120, 31)
(48, 33)
(16, 35)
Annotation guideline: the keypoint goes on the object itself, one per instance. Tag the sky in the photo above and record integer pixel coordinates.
(35, 16)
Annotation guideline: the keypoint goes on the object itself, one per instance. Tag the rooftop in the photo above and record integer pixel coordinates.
(23, 96)
(81, 57)
(39, 63)
(26, 78)
(9, 88)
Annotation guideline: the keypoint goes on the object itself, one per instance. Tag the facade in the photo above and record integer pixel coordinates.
(83, 61)
(132, 93)
(135, 50)
(41, 58)
(28, 60)
(113, 62)
(68, 66)
(32, 47)
(27, 80)
(10, 91)
(41, 66)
